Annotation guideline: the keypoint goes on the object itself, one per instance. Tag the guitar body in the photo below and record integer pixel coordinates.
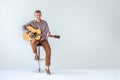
(35, 36)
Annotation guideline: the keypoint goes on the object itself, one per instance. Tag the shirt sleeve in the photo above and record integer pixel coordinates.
(47, 28)
(27, 24)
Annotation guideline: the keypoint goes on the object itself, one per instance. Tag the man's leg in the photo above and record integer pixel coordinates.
(47, 49)
(34, 44)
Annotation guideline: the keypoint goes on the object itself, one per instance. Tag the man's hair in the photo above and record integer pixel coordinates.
(37, 11)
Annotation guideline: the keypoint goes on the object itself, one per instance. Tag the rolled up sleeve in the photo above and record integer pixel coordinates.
(47, 28)
(27, 24)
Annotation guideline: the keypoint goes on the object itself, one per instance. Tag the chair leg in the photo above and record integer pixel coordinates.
(38, 52)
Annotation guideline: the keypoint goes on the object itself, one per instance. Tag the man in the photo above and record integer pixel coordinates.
(43, 26)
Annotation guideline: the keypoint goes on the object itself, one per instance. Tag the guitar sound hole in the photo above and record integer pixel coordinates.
(34, 35)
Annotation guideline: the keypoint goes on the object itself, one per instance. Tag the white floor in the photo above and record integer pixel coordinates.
(60, 75)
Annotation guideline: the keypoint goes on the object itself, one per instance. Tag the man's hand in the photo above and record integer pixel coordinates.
(48, 35)
(30, 34)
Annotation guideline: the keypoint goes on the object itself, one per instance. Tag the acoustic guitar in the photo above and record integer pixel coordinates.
(35, 34)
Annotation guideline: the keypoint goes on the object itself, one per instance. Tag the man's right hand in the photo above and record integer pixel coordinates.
(30, 34)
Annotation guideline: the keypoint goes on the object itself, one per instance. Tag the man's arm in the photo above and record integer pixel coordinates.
(27, 24)
(48, 34)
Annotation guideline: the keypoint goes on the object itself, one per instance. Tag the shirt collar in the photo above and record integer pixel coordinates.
(41, 21)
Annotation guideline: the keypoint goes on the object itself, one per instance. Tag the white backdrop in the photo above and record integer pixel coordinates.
(89, 29)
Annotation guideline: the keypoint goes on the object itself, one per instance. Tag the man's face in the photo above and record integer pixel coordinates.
(37, 16)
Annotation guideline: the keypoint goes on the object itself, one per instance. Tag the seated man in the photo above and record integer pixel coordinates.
(43, 26)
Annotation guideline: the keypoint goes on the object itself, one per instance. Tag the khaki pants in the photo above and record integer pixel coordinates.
(46, 46)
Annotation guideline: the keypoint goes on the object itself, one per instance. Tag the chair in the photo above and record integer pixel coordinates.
(40, 59)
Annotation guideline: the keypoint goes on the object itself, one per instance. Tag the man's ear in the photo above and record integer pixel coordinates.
(41, 14)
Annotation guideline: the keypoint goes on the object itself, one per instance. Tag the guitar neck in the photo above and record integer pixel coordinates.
(55, 36)
(51, 35)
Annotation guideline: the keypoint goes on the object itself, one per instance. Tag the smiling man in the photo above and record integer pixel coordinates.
(43, 26)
